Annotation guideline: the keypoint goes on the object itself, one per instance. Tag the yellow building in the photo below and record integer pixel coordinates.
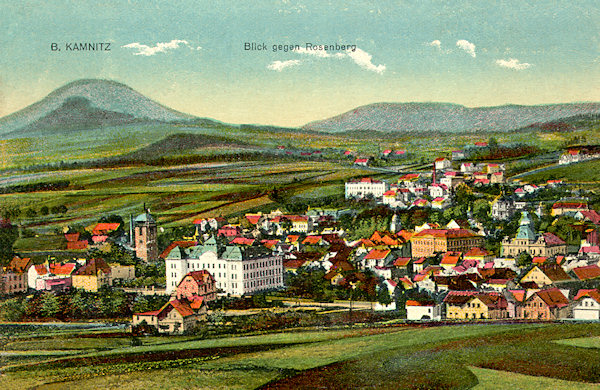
(92, 276)
(475, 305)
(543, 275)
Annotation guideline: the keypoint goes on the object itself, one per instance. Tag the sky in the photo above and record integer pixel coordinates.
(190, 55)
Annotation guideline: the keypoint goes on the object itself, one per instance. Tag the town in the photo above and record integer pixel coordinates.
(460, 242)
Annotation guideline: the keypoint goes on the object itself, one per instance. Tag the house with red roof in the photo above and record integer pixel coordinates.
(546, 274)
(362, 161)
(92, 276)
(430, 241)
(377, 258)
(104, 228)
(13, 278)
(74, 243)
(561, 207)
(229, 231)
(442, 163)
(197, 284)
(175, 317)
(420, 310)
(475, 305)
(451, 259)
(588, 272)
(586, 305)
(550, 304)
(362, 188)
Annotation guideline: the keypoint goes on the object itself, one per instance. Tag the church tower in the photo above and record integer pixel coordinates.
(146, 246)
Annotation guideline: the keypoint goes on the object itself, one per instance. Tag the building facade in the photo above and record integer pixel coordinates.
(237, 270)
(430, 241)
(146, 247)
(364, 187)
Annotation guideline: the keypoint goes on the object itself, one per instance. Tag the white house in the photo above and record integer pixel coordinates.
(442, 163)
(361, 188)
(417, 311)
(587, 305)
(237, 270)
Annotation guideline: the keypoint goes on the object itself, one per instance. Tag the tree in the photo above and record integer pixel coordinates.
(44, 210)
(383, 295)
(12, 309)
(50, 306)
(524, 259)
(492, 142)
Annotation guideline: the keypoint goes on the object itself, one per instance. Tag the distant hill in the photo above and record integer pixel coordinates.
(447, 117)
(90, 103)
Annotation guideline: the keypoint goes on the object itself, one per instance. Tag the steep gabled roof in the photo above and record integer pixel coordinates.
(592, 293)
(553, 297)
(588, 272)
(19, 265)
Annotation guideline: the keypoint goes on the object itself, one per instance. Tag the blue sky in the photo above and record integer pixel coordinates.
(190, 56)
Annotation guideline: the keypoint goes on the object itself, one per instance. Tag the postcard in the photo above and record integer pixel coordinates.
(299, 194)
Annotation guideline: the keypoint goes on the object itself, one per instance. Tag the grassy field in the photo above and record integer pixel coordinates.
(492, 380)
(584, 172)
(512, 356)
(176, 195)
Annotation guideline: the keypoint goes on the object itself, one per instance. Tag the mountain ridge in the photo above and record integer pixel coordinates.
(418, 117)
(102, 95)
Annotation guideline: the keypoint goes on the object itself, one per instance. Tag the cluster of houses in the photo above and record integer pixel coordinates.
(89, 274)
(579, 154)
(424, 189)
(21, 275)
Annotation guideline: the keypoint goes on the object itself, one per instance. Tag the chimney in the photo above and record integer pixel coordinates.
(433, 173)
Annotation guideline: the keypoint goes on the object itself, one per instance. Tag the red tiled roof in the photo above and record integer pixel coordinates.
(242, 241)
(41, 269)
(311, 240)
(591, 215)
(412, 302)
(361, 160)
(19, 265)
(554, 272)
(402, 261)
(552, 239)
(293, 263)
(181, 306)
(93, 267)
(201, 277)
(570, 205)
(77, 245)
(377, 254)
(539, 260)
(104, 227)
(518, 294)
(62, 269)
(476, 252)
(451, 258)
(592, 293)
(253, 219)
(72, 237)
(553, 297)
(174, 244)
(449, 233)
(587, 272)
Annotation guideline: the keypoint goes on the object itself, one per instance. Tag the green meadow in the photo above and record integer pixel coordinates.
(460, 356)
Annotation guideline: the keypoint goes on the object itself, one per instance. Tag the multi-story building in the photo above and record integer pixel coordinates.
(430, 241)
(503, 208)
(364, 187)
(237, 270)
(526, 240)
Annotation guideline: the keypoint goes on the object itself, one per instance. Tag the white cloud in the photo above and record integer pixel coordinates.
(363, 59)
(467, 46)
(435, 43)
(513, 63)
(360, 57)
(281, 65)
(160, 47)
